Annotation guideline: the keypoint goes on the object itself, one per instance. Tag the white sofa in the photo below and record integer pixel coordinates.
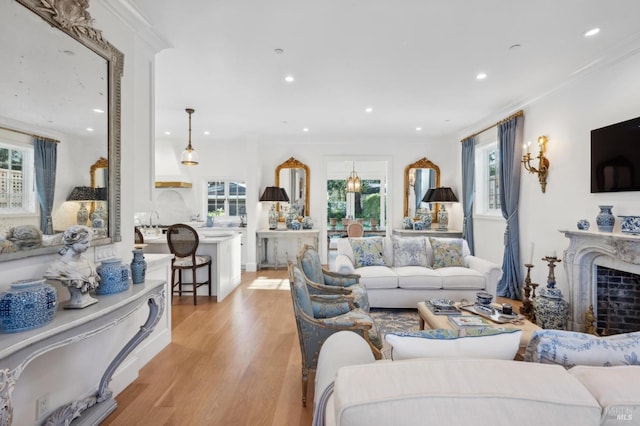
(396, 285)
(354, 389)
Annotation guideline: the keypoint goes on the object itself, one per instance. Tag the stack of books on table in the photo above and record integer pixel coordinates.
(442, 309)
(465, 321)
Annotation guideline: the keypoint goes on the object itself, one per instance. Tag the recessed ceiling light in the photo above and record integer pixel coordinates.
(206, 132)
(592, 32)
(514, 46)
(279, 51)
(368, 109)
(481, 76)
(89, 129)
(167, 133)
(98, 110)
(306, 129)
(289, 79)
(418, 129)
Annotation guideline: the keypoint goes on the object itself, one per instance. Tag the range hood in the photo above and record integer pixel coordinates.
(173, 184)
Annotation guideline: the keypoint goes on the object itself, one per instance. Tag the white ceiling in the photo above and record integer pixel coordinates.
(413, 61)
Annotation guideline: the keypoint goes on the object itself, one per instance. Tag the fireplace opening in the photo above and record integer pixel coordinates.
(618, 301)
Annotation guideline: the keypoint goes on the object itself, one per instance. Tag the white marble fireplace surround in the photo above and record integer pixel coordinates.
(587, 250)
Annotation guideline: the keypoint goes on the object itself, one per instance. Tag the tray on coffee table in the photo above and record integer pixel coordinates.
(492, 313)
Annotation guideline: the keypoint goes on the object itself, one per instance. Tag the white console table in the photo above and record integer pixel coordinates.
(289, 240)
(71, 326)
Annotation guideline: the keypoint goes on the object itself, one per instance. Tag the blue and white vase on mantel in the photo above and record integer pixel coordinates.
(605, 219)
(114, 276)
(28, 304)
(138, 267)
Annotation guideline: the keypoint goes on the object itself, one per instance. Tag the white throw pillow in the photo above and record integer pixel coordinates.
(480, 342)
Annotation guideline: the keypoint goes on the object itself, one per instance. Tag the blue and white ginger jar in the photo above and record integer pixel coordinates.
(114, 276)
(551, 310)
(28, 304)
(307, 223)
(407, 223)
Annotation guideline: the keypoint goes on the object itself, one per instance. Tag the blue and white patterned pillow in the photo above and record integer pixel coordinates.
(367, 251)
(446, 252)
(569, 348)
(408, 251)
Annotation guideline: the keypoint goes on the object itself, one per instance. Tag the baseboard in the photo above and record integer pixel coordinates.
(251, 267)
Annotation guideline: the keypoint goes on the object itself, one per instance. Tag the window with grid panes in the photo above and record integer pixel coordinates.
(226, 197)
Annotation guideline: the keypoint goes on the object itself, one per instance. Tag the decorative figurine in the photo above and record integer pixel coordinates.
(75, 272)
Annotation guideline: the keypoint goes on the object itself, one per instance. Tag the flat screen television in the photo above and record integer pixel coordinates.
(615, 157)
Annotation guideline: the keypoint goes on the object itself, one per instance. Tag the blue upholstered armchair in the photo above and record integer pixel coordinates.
(323, 281)
(319, 316)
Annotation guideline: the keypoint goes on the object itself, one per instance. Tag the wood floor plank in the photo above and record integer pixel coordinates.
(231, 363)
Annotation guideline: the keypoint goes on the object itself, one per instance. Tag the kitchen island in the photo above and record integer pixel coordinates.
(223, 246)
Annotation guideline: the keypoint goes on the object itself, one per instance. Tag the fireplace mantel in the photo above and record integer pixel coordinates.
(586, 250)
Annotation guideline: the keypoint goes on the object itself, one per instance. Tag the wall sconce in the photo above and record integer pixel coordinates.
(543, 162)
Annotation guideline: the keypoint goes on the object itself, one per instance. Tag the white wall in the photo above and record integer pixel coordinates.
(605, 96)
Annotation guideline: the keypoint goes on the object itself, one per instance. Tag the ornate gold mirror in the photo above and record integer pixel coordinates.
(62, 82)
(293, 176)
(418, 178)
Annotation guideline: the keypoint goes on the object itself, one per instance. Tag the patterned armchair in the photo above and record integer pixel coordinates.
(323, 281)
(319, 316)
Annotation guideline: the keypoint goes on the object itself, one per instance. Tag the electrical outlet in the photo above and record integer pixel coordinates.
(42, 406)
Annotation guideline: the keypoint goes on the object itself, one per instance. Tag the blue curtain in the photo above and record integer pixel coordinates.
(510, 151)
(45, 157)
(468, 177)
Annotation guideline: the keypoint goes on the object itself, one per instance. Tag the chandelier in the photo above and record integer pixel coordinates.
(353, 181)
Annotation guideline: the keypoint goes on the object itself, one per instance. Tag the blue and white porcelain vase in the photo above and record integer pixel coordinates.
(407, 223)
(583, 224)
(28, 304)
(138, 267)
(426, 219)
(551, 310)
(605, 219)
(307, 223)
(114, 276)
(209, 221)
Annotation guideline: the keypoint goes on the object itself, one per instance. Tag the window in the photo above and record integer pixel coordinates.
(366, 204)
(17, 189)
(487, 180)
(226, 198)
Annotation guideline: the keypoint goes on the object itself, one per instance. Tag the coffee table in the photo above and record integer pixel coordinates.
(433, 321)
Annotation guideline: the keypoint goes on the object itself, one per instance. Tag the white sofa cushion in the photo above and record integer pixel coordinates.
(461, 391)
(418, 277)
(375, 277)
(616, 389)
(410, 251)
(462, 278)
(485, 342)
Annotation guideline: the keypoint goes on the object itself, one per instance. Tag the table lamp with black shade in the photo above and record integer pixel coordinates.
(441, 195)
(274, 194)
(82, 195)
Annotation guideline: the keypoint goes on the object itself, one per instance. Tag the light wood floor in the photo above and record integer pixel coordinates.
(231, 363)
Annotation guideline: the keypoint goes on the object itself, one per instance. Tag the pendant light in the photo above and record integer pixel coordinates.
(189, 155)
(353, 181)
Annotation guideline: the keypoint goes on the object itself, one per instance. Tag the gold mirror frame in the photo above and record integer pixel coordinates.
(292, 163)
(73, 19)
(422, 163)
(102, 163)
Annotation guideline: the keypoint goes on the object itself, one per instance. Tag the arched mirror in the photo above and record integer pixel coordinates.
(61, 84)
(418, 178)
(293, 176)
